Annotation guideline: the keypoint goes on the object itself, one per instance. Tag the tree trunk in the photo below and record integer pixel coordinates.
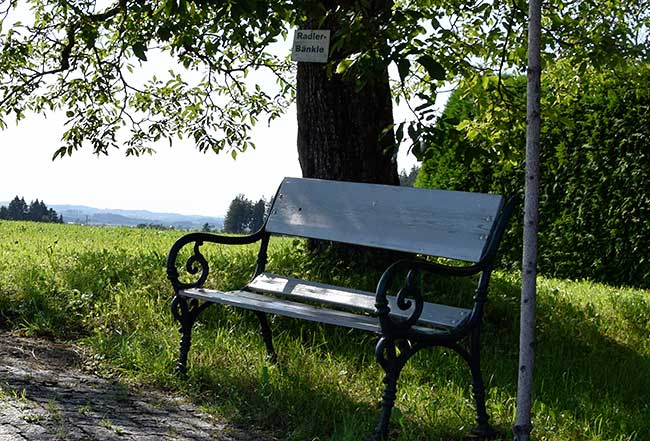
(522, 427)
(341, 131)
(340, 138)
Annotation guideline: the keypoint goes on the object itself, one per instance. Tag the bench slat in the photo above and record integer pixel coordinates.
(287, 308)
(433, 314)
(450, 224)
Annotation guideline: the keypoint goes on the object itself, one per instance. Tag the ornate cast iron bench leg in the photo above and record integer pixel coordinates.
(392, 364)
(186, 314)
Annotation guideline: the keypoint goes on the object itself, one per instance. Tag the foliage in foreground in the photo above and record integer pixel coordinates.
(106, 288)
(99, 62)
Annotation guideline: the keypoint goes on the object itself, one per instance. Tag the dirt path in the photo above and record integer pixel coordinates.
(44, 395)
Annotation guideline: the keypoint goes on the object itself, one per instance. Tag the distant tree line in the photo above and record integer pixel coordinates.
(245, 216)
(36, 211)
(407, 179)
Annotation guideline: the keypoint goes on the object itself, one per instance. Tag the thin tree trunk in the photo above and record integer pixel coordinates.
(522, 427)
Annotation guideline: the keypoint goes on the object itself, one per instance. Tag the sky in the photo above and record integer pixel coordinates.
(177, 179)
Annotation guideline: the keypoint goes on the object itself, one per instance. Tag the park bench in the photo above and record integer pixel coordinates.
(463, 228)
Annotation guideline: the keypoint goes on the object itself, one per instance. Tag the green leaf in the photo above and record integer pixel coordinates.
(463, 124)
(424, 105)
(433, 68)
(139, 50)
(399, 133)
(413, 132)
(403, 67)
(343, 66)
(60, 153)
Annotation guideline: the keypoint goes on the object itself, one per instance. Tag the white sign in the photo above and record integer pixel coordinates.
(311, 46)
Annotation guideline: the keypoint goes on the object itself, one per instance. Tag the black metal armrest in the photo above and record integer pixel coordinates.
(196, 263)
(409, 297)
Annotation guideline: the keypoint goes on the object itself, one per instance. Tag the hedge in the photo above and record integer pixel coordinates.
(595, 167)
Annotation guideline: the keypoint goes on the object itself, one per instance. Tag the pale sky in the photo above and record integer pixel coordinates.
(179, 179)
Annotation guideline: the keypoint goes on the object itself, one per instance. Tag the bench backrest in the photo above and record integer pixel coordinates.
(450, 224)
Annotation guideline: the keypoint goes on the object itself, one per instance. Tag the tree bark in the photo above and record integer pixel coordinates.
(345, 134)
(522, 427)
(341, 131)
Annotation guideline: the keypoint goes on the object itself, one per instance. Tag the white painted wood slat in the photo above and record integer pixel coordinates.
(433, 314)
(271, 305)
(442, 223)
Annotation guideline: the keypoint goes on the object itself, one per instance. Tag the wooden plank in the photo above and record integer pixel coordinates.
(258, 302)
(433, 314)
(442, 223)
(271, 305)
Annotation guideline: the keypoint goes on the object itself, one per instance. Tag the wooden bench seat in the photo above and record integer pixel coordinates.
(454, 225)
(434, 318)
(287, 308)
(439, 316)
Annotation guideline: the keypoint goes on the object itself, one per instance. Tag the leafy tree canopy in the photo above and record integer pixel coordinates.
(244, 216)
(91, 60)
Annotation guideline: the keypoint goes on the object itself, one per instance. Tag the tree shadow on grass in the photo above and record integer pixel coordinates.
(289, 398)
(582, 368)
(576, 362)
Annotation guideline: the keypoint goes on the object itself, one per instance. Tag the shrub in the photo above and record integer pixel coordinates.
(595, 179)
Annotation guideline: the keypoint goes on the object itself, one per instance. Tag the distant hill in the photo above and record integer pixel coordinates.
(82, 214)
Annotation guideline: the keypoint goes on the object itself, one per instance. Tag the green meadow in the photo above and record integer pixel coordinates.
(106, 290)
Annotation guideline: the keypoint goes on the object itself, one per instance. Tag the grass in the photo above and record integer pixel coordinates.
(106, 288)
